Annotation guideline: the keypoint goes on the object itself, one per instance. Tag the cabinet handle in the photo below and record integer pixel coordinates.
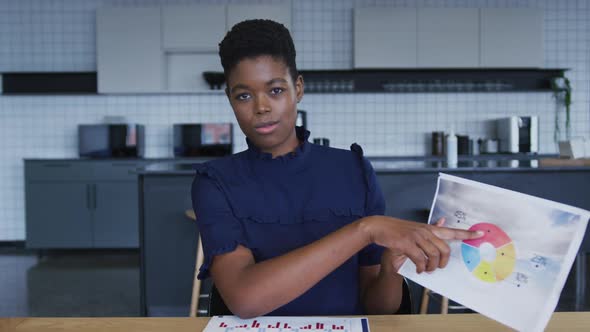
(88, 196)
(94, 196)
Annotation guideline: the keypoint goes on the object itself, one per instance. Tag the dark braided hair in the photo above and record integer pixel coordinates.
(252, 38)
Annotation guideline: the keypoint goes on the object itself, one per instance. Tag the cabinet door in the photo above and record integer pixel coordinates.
(448, 37)
(279, 13)
(384, 37)
(185, 71)
(512, 37)
(115, 215)
(193, 28)
(129, 53)
(57, 215)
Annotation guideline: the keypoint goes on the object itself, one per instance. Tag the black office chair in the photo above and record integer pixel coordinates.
(406, 307)
(216, 305)
(218, 308)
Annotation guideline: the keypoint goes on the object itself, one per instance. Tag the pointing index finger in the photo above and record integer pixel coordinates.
(446, 233)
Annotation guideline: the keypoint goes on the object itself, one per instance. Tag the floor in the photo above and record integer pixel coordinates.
(99, 283)
(69, 284)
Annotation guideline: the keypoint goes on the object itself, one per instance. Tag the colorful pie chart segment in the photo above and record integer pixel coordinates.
(496, 269)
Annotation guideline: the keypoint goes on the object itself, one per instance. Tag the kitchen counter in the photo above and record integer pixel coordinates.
(502, 163)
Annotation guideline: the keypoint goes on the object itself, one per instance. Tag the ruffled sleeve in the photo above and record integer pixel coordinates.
(374, 205)
(220, 230)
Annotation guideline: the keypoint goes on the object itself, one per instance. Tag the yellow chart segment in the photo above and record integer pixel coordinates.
(498, 269)
(484, 272)
(504, 262)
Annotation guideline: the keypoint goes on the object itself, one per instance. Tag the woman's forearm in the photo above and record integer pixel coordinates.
(257, 289)
(383, 296)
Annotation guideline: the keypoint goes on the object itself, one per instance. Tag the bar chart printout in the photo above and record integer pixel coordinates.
(287, 324)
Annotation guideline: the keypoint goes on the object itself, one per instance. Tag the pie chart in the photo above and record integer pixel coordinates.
(490, 258)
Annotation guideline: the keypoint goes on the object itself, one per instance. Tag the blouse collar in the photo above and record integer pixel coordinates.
(298, 153)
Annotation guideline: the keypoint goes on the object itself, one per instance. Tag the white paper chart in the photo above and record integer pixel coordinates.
(515, 272)
(286, 324)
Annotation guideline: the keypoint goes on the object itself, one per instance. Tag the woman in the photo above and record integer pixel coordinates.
(293, 228)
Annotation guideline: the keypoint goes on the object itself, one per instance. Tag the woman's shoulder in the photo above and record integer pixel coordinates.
(337, 156)
(223, 163)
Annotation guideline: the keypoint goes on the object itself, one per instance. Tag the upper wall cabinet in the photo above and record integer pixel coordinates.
(384, 37)
(129, 52)
(192, 28)
(448, 37)
(512, 37)
(167, 49)
(279, 13)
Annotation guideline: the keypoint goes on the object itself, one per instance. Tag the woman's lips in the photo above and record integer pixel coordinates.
(266, 128)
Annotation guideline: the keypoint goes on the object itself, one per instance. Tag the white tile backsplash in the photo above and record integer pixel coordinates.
(59, 35)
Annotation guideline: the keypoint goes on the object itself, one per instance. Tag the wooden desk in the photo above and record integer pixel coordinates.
(562, 321)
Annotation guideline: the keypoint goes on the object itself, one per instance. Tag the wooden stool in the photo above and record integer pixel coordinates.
(444, 306)
(196, 282)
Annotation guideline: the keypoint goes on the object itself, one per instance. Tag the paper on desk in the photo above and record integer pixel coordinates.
(286, 324)
(516, 271)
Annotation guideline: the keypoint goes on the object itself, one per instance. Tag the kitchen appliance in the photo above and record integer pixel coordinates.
(463, 145)
(111, 140)
(518, 134)
(438, 139)
(301, 119)
(487, 145)
(203, 139)
(321, 141)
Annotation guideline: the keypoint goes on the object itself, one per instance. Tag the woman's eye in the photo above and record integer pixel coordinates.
(276, 91)
(243, 96)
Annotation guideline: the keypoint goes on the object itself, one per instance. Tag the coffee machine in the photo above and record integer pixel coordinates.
(518, 134)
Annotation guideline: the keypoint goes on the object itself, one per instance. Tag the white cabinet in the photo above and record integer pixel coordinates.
(280, 13)
(448, 37)
(167, 49)
(192, 28)
(512, 37)
(185, 71)
(129, 52)
(384, 37)
(190, 38)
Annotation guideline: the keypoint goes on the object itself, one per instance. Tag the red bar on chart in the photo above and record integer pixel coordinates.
(255, 323)
(222, 324)
(286, 326)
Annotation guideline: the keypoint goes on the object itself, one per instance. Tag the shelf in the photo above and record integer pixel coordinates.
(49, 83)
(329, 81)
(429, 80)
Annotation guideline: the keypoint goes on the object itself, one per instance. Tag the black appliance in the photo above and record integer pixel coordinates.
(111, 140)
(203, 139)
(301, 119)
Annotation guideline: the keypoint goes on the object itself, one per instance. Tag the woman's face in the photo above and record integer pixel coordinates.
(264, 99)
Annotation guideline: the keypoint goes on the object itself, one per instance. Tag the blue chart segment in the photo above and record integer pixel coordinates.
(470, 256)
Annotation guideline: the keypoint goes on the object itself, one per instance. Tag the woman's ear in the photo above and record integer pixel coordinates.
(299, 87)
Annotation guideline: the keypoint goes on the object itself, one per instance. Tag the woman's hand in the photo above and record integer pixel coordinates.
(424, 244)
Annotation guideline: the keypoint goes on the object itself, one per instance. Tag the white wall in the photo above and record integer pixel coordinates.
(59, 35)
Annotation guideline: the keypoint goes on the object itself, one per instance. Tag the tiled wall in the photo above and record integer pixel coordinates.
(59, 35)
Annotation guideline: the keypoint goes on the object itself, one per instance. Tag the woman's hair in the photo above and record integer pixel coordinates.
(252, 38)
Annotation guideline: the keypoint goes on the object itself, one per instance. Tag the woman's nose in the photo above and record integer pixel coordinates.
(262, 104)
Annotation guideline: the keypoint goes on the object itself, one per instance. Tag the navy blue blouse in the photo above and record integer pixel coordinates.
(273, 206)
